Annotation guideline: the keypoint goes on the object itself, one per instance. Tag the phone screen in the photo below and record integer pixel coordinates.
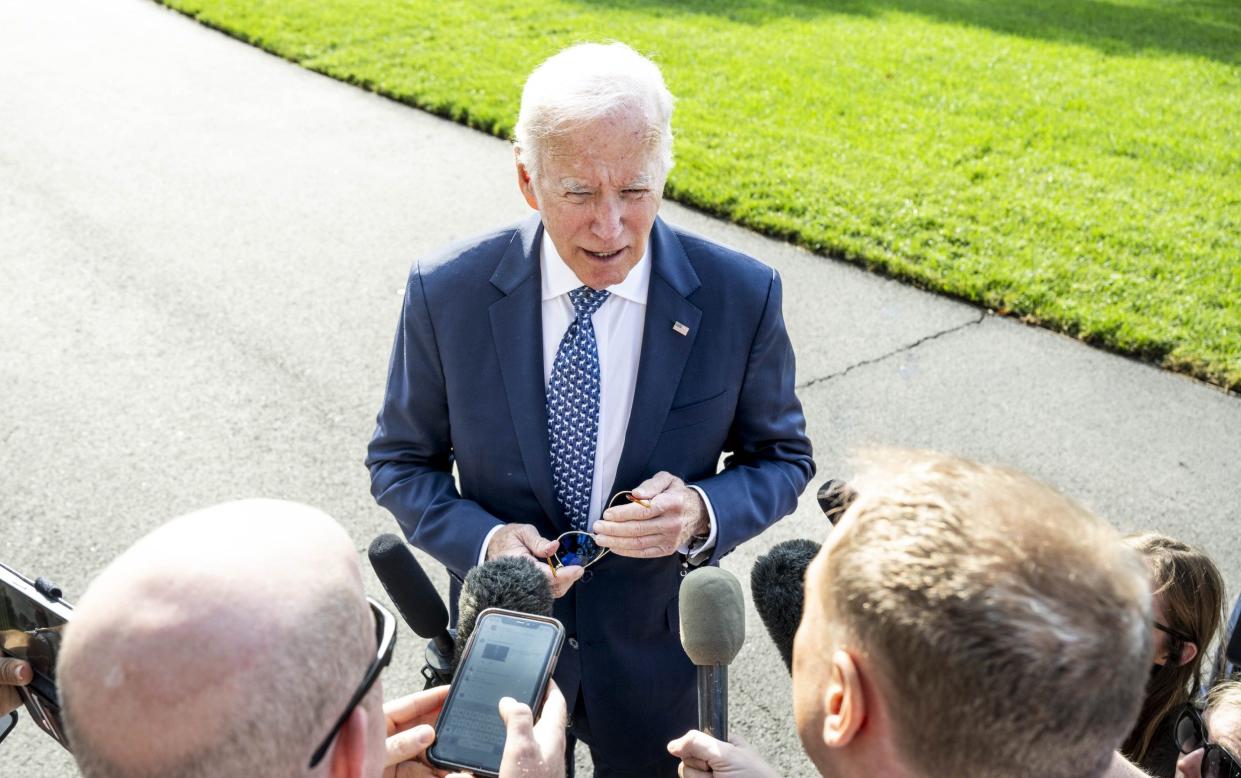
(30, 629)
(510, 656)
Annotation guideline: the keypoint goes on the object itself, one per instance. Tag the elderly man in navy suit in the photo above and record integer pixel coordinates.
(589, 351)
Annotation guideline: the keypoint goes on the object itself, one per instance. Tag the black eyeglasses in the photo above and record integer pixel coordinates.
(385, 634)
(1174, 633)
(1191, 734)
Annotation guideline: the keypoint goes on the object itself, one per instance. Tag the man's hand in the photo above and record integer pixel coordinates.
(524, 540)
(13, 672)
(410, 733)
(532, 750)
(702, 755)
(676, 514)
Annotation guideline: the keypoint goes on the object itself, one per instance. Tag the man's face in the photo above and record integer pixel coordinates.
(598, 191)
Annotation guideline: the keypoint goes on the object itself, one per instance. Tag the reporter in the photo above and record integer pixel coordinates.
(1187, 598)
(961, 620)
(13, 673)
(238, 641)
(1210, 744)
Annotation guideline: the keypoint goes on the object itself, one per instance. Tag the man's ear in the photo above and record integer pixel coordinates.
(348, 755)
(845, 701)
(526, 184)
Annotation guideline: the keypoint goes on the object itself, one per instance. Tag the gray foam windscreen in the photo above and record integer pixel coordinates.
(513, 583)
(712, 616)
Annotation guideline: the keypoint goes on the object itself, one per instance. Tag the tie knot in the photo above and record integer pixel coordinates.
(586, 300)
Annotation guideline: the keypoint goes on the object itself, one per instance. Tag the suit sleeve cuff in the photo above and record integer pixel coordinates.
(701, 551)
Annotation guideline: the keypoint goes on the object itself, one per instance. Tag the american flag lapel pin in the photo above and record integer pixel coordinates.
(680, 328)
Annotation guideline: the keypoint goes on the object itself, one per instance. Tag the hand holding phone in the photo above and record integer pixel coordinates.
(409, 721)
(509, 655)
(532, 748)
(13, 673)
(32, 617)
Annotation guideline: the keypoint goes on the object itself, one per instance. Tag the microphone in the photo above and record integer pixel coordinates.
(514, 583)
(417, 601)
(712, 631)
(777, 583)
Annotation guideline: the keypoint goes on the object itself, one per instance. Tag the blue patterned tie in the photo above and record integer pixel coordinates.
(573, 409)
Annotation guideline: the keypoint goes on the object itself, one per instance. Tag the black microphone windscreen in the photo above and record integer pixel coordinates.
(777, 583)
(712, 616)
(511, 582)
(407, 585)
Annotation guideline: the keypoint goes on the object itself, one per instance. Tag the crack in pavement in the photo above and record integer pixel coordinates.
(910, 347)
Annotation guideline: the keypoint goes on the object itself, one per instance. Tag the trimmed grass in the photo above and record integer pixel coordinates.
(1076, 163)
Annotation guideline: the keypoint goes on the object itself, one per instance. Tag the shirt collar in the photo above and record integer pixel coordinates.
(559, 279)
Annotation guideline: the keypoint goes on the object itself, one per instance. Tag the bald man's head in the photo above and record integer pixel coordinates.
(225, 642)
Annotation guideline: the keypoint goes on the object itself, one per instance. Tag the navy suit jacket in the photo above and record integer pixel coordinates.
(465, 387)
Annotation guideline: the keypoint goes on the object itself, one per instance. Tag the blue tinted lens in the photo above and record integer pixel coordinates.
(578, 548)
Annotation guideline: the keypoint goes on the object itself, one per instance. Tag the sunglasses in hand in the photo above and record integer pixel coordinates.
(576, 548)
(1191, 735)
(579, 548)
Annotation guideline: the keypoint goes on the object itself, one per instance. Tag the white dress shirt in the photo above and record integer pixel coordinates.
(619, 323)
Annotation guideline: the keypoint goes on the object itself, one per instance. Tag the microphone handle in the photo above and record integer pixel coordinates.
(437, 668)
(713, 700)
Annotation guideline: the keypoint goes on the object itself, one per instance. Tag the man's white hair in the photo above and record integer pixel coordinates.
(587, 82)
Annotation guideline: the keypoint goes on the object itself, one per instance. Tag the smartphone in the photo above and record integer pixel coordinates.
(510, 654)
(31, 624)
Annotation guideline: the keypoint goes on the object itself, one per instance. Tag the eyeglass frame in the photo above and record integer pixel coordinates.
(1189, 711)
(1164, 628)
(385, 633)
(557, 564)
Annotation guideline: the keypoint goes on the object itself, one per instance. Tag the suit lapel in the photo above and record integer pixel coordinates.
(517, 328)
(665, 351)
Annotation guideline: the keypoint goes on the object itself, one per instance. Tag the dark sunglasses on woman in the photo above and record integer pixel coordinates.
(1191, 734)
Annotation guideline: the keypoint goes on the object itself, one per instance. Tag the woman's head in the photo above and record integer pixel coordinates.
(1222, 724)
(1187, 595)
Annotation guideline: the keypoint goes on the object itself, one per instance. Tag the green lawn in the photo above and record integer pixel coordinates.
(1073, 162)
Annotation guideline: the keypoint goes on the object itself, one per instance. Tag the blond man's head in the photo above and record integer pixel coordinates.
(986, 624)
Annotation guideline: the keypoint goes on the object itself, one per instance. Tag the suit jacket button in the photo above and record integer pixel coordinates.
(573, 643)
